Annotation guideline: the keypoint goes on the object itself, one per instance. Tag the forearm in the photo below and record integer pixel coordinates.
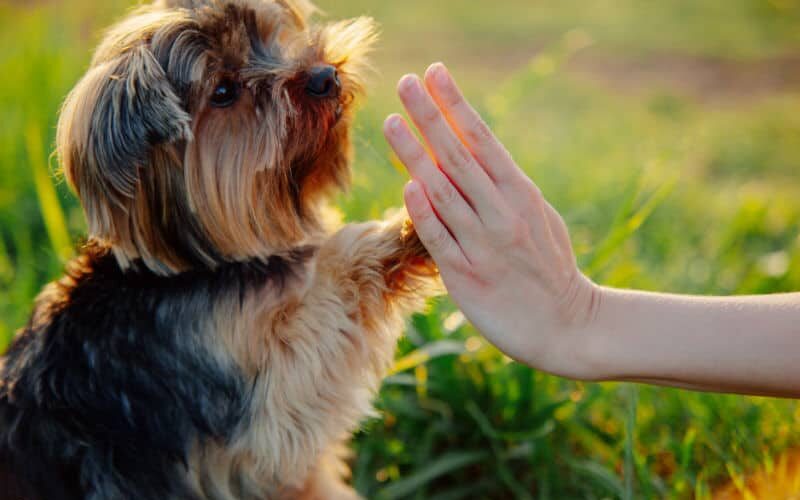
(736, 344)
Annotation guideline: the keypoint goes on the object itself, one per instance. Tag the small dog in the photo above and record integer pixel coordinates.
(214, 339)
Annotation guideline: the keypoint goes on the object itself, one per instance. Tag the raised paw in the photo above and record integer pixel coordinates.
(412, 245)
(410, 261)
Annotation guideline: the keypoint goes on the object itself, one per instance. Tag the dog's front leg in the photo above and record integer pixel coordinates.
(383, 267)
(369, 278)
(327, 479)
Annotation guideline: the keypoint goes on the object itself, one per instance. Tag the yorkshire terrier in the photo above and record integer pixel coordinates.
(215, 338)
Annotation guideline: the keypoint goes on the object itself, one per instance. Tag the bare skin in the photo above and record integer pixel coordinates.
(505, 256)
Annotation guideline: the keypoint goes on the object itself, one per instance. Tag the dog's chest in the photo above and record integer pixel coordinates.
(313, 367)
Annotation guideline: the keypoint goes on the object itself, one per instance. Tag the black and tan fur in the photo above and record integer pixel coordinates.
(214, 339)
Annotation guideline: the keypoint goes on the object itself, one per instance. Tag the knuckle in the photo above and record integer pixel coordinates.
(498, 229)
(444, 193)
(460, 266)
(416, 154)
(511, 232)
(479, 132)
(457, 158)
(451, 97)
(535, 192)
(422, 217)
(534, 201)
(440, 239)
(482, 259)
(430, 115)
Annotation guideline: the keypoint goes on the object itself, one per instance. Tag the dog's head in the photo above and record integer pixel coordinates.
(208, 131)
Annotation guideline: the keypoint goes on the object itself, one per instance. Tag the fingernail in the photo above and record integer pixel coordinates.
(440, 73)
(412, 190)
(409, 84)
(393, 124)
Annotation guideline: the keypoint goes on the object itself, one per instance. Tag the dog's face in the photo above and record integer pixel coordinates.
(211, 130)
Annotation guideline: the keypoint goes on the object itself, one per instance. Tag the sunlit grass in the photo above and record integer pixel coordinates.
(777, 478)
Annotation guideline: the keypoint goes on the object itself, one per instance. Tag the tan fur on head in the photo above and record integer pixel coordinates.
(166, 177)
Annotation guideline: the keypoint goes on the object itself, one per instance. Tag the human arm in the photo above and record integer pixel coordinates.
(505, 256)
(745, 344)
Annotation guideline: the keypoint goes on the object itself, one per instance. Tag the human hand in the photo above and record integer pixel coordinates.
(503, 251)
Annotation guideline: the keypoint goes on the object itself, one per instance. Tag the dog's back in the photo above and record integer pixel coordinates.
(112, 383)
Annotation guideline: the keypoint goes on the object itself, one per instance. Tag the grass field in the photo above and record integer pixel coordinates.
(667, 133)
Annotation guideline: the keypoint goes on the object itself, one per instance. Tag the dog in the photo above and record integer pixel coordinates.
(215, 338)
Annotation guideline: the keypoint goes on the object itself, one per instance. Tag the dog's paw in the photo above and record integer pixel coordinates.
(412, 245)
(410, 261)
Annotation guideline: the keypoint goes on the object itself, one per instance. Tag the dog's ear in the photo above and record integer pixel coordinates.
(123, 108)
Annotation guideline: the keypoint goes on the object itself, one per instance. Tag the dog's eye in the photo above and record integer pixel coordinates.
(225, 94)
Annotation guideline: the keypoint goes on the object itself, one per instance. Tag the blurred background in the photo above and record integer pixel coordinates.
(668, 135)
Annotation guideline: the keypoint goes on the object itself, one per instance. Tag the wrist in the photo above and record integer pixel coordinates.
(571, 350)
(590, 341)
(604, 348)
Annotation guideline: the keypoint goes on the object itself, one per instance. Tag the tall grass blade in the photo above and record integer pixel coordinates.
(427, 353)
(599, 475)
(630, 441)
(6, 269)
(52, 213)
(624, 227)
(443, 465)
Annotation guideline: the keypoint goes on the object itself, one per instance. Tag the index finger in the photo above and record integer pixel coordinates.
(453, 158)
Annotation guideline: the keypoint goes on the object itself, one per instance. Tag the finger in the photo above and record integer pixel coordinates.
(473, 131)
(451, 207)
(434, 235)
(455, 160)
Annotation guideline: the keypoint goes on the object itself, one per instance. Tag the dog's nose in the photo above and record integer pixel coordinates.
(323, 81)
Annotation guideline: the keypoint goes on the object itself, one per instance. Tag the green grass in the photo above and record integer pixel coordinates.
(661, 190)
